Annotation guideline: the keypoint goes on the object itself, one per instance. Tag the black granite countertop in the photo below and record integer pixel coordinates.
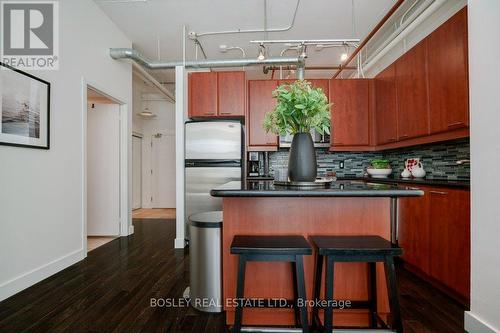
(340, 188)
(414, 181)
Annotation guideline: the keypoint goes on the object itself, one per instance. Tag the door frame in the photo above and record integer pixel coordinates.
(141, 137)
(125, 214)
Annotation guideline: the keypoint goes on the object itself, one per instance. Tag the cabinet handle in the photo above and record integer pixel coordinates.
(438, 192)
(458, 123)
(209, 114)
(404, 136)
(225, 113)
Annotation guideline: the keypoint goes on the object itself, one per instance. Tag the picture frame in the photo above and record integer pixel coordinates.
(24, 109)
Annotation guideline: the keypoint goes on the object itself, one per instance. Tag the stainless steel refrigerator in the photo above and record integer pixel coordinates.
(213, 156)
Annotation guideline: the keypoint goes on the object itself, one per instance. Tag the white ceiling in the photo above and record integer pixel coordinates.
(148, 22)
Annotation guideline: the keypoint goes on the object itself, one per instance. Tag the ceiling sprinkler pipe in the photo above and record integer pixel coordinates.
(206, 63)
(239, 31)
(300, 72)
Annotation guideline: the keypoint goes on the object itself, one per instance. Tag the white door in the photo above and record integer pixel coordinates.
(163, 170)
(136, 172)
(103, 170)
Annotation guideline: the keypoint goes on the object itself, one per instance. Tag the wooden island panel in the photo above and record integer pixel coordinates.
(307, 217)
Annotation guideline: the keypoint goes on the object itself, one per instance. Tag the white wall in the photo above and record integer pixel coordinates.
(484, 52)
(137, 89)
(41, 192)
(161, 157)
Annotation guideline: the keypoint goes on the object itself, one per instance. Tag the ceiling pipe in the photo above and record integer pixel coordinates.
(239, 31)
(148, 77)
(402, 33)
(207, 63)
(370, 35)
(266, 69)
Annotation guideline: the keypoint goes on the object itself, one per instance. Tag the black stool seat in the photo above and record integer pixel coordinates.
(369, 249)
(295, 245)
(331, 245)
(272, 248)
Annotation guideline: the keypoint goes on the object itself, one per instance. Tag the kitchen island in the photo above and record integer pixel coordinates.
(344, 208)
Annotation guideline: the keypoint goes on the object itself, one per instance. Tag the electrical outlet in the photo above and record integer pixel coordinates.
(341, 164)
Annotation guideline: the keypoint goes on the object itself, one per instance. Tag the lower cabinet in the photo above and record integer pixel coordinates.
(434, 232)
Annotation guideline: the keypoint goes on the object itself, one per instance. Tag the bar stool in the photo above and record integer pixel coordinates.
(370, 249)
(272, 248)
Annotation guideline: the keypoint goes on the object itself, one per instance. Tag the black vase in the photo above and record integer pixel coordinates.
(302, 160)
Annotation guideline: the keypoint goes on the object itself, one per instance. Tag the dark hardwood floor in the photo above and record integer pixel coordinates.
(110, 291)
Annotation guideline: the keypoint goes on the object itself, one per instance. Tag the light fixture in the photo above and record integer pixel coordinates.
(223, 48)
(345, 54)
(262, 53)
(146, 113)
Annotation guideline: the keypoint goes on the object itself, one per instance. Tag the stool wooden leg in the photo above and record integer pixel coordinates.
(240, 288)
(295, 294)
(317, 286)
(328, 318)
(301, 286)
(372, 273)
(390, 273)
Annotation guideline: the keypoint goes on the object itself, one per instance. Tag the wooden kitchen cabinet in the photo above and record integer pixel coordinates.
(202, 94)
(216, 94)
(449, 238)
(231, 93)
(324, 84)
(414, 231)
(260, 102)
(350, 113)
(448, 75)
(386, 108)
(434, 232)
(411, 91)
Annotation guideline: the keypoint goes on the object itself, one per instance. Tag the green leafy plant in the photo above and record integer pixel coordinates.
(381, 164)
(300, 108)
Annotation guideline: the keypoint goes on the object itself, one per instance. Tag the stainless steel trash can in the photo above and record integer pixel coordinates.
(205, 261)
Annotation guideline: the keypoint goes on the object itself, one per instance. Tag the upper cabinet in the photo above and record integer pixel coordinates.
(216, 94)
(231, 93)
(386, 108)
(260, 102)
(448, 79)
(202, 94)
(350, 113)
(412, 93)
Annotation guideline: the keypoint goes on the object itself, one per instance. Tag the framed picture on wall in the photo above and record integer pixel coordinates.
(24, 109)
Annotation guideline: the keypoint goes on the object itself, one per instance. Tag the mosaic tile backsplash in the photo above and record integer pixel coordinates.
(439, 160)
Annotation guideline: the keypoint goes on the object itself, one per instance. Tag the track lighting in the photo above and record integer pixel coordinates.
(262, 53)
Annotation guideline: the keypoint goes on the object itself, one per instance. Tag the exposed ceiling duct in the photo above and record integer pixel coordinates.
(121, 53)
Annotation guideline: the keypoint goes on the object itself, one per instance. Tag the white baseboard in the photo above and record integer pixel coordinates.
(130, 230)
(179, 243)
(474, 324)
(21, 282)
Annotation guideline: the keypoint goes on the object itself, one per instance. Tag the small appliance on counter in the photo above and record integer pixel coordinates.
(258, 164)
(319, 140)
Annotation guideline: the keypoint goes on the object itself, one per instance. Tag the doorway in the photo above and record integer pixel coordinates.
(103, 145)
